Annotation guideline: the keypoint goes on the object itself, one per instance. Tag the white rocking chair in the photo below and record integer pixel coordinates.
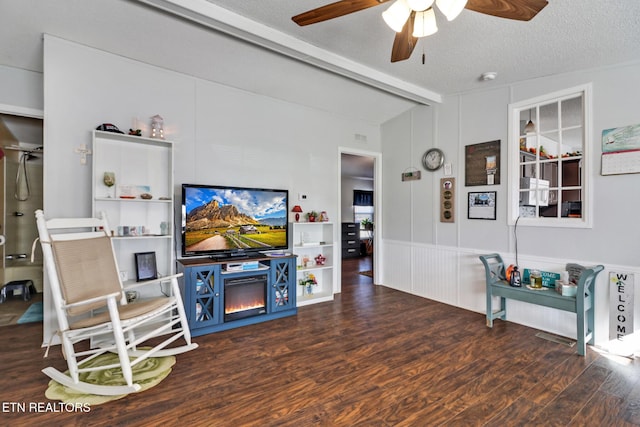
(90, 304)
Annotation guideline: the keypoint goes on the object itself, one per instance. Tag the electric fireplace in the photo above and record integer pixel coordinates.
(245, 297)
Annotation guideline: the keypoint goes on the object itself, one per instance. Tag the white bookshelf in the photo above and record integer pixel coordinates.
(308, 240)
(138, 225)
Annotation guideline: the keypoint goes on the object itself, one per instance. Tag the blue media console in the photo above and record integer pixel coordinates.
(221, 295)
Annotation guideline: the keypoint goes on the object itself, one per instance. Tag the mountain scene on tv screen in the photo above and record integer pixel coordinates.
(227, 219)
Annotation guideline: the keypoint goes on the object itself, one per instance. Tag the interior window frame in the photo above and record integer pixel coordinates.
(513, 155)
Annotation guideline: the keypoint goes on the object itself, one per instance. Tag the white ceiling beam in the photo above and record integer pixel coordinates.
(223, 20)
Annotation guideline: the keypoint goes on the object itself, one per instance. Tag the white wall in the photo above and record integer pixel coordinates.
(443, 264)
(224, 135)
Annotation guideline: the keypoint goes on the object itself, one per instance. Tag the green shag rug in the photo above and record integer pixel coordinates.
(148, 373)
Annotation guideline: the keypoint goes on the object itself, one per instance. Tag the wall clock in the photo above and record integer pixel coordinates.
(433, 159)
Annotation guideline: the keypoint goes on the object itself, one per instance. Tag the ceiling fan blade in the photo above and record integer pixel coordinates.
(334, 10)
(521, 10)
(404, 42)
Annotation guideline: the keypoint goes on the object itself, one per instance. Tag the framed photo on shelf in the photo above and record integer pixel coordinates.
(146, 268)
(482, 205)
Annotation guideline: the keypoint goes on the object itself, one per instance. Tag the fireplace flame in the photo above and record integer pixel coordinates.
(244, 306)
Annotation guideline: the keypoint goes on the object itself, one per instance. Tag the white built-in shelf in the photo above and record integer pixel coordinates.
(308, 240)
(140, 165)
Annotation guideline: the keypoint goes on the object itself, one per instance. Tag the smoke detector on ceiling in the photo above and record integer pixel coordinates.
(488, 76)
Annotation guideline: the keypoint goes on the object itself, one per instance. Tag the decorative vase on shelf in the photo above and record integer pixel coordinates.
(109, 179)
(309, 289)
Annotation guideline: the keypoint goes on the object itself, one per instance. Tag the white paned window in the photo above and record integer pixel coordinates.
(549, 141)
(360, 213)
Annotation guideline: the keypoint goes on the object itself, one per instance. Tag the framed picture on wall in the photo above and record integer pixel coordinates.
(146, 268)
(482, 205)
(482, 164)
(362, 198)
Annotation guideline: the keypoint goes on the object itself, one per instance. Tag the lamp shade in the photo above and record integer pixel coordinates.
(396, 16)
(451, 8)
(530, 127)
(425, 23)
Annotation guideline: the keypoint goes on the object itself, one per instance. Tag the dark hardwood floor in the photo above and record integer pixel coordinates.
(373, 357)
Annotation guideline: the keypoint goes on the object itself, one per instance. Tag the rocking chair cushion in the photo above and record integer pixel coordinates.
(83, 262)
(128, 311)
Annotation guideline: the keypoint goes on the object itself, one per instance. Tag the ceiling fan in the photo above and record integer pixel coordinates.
(412, 19)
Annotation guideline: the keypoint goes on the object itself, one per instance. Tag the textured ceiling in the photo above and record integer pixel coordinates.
(565, 36)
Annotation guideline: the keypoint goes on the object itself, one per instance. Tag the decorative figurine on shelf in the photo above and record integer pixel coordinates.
(320, 259)
(136, 132)
(298, 210)
(305, 261)
(324, 217)
(109, 179)
(164, 228)
(311, 216)
(157, 127)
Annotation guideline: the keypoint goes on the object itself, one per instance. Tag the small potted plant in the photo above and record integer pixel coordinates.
(308, 282)
(311, 216)
(367, 224)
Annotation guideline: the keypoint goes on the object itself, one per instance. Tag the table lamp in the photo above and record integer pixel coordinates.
(297, 209)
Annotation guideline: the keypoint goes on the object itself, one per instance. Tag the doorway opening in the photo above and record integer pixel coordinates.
(21, 185)
(358, 216)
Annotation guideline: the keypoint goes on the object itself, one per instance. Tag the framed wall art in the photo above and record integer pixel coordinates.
(482, 163)
(482, 205)
(146, 268)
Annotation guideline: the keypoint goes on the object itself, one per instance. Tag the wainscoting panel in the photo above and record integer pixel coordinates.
(396, 271)
(456, 276)
(435, 274)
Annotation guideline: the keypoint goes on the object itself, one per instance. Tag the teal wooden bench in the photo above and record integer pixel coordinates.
(582, 304)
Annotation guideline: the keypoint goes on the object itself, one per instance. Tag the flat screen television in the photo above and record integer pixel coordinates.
(223, 221)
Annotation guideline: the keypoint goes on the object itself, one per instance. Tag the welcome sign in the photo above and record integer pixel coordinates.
(621, 305)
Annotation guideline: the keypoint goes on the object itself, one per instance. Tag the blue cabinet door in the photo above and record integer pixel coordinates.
(282, 290)
(203, 284)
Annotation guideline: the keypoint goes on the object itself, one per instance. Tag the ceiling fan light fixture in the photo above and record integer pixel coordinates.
(420, 5)
(397, 14)
(425, 23)
(451, 8)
